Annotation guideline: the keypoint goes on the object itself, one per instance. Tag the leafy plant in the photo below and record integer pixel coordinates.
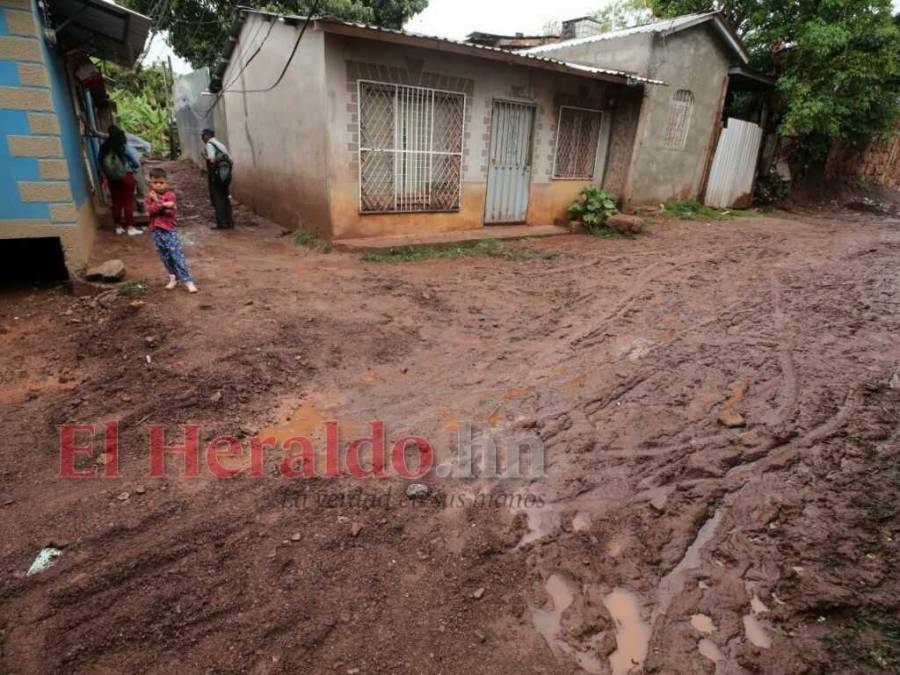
(691, 209)
(489, 248)
(308, 239)
(771, 189)
(138, 115)
(594, 208)
(133, 288)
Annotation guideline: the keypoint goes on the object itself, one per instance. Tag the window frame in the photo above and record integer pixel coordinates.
(360, 84)
(556, 174)
(677, 107)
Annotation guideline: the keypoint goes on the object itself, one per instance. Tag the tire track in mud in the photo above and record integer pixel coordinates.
(790, 388)
(594, 334)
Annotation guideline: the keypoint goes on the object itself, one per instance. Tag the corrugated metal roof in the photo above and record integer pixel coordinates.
(100, 28)
(665, 27)
(523, 58)
(527, 55)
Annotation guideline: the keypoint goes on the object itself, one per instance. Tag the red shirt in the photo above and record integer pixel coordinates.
(161, 217)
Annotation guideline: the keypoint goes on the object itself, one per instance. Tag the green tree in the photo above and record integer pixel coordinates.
(623, 14)
(837, 64)
(197, 29)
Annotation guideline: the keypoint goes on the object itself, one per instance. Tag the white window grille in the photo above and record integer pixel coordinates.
(410, 148)
(577, 136)
(680, 108)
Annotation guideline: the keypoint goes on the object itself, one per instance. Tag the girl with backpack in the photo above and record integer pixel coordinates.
(119, 163)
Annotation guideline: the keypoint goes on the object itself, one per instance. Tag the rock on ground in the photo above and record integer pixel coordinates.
(111, 270)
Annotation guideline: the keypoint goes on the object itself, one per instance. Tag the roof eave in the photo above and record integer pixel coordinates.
(477, 51)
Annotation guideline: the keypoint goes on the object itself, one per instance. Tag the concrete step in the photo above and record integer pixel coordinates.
(448, 238)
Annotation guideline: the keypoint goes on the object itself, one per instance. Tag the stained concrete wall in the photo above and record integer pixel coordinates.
(693, 59)
(351, 59)
(278, 138)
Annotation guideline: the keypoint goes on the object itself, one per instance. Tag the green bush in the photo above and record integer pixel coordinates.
(771, 189)
(594, 208)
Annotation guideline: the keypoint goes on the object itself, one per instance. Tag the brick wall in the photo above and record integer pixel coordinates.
(878, 161)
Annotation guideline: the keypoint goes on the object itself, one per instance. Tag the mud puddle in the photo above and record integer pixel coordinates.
(632, 633)
(548, 622)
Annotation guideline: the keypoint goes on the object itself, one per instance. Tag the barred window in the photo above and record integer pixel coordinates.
(410, 148)
(577, 136)
(679, 122)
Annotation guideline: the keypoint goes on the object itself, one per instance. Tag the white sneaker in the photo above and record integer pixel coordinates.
(120, 229)
(133, 231)
(191, 287)
(173, 282)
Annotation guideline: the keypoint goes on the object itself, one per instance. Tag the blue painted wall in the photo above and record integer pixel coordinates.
(69, 127)
(15, 122)
(14, 169)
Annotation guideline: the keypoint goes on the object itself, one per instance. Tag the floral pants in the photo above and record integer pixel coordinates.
(168, 245)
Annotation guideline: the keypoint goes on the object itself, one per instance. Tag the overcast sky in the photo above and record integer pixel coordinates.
(457, 18)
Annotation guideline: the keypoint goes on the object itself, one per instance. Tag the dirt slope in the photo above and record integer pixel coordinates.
(663, 541)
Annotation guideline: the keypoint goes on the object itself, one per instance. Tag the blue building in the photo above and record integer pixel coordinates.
(50, 98)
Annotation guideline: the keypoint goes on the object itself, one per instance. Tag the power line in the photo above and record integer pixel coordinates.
(284, 70)
(253, 55)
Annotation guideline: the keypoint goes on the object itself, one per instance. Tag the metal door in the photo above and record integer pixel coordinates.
(734, 165)
(509, 170)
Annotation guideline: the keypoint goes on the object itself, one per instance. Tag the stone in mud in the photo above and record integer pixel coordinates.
(750, 439)
(111, 270)
(355, 529)
(6, 499)
(731, 419)
(417, 491)
(624, 224)
(479, 594)
(658, 502)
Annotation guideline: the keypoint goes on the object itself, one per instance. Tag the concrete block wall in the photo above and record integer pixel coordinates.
(35, 166)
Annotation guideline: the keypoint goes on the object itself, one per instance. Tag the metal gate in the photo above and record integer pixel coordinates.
(509, 171)
(734, 165)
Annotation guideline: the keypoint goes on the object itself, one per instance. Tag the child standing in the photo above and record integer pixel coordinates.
(160, 202)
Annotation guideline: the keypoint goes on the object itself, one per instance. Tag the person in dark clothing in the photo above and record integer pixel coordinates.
(120, 163)
(218, 173)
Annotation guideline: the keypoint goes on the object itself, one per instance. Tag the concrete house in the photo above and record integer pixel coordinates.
(48, 90)
(699, 57)
(369, 132)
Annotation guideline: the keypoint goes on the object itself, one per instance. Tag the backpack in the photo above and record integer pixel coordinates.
(113, 166)
(223, 166)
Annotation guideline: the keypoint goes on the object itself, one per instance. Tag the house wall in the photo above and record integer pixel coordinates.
(630, 53)
(42, 174)
(193, 113)
(693, 59)
(351, 59)
(277, 139)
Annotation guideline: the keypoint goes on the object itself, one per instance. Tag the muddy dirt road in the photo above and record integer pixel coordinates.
(718, 404)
